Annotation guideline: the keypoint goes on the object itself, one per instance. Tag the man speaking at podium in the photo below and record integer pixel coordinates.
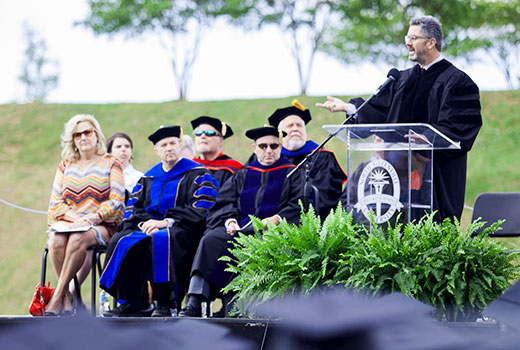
(433, 92)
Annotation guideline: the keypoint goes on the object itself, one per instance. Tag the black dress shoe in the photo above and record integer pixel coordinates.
(190, 311)
(219, 314)
(127, 310)
(162, 310)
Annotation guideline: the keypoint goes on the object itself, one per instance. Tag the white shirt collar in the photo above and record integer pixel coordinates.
(434, 61)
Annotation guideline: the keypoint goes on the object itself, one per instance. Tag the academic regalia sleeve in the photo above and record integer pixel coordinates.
(328, 179)
(376, 110)
(201, 190)
(222, 176)
(226, 206)
(292, 193)
(135, 209)
(459, 115)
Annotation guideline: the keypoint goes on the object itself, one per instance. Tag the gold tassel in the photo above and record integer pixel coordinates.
(181, 133)
(280, 135)
(298, 105)
(224, 129)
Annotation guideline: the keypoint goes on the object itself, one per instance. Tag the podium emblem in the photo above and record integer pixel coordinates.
(380, 176)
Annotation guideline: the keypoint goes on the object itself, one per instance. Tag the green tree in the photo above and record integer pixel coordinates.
(374, 29)
(504, 39)
(39, 74)
(178, 25)
(303, 24)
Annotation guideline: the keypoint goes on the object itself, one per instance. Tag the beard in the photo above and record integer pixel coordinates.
(295, 143)
(202, 148)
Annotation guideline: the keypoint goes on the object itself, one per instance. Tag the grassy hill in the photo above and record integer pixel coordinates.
(30, 152)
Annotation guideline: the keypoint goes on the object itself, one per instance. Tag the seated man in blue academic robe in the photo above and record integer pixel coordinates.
(261, 189)
(161, 230)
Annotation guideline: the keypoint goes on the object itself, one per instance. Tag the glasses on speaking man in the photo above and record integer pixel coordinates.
(208, 133)
(273, 146)
(414, 37)
(87, 133)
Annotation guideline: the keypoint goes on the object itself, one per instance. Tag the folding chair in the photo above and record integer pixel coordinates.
(491, 207)
(97, 250)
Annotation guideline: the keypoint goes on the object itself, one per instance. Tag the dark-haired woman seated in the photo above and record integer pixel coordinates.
(120, 145)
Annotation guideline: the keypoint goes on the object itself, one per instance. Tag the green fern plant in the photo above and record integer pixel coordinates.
(436, 263)
(288, 258)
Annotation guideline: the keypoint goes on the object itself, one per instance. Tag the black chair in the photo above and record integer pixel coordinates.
(491, 207)
(97, 250)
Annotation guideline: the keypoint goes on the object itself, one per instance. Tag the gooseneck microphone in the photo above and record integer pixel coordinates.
(393, 75)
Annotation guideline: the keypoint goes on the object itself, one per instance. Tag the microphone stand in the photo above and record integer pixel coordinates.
(307, 187)
(393, 75)
(308, 160)
(309, 156)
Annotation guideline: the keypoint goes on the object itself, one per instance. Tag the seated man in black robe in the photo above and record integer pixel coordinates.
(434, 92)
(260, 189)
(160, 231)
(210, 134)
(325, 173)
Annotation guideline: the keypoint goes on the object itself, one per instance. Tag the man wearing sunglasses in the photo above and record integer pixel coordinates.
(434, 92)
(261, 189)
(325, 172)
(164, 220)
(210, 134)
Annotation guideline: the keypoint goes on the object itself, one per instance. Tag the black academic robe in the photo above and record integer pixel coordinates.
(184, 194)
(222, 167)
(447, 99)
(325, 174)
(258, 190)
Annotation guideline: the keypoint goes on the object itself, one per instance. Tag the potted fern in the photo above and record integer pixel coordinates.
(436, 263)
(289, 259)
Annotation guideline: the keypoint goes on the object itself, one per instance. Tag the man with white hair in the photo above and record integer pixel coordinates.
(325, 172)
(434, 92)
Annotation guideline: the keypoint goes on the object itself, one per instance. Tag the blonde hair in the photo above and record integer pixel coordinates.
(69, 152)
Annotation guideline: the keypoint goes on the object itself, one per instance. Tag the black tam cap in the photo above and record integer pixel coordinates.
(164, 132)
(224, 129)
(338, 319)
(257, 133)
(282, 113)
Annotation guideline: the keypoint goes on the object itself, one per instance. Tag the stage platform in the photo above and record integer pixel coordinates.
(253, 330)
(257, 332)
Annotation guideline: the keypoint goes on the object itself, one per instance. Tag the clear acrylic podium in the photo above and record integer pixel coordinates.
(390, 169)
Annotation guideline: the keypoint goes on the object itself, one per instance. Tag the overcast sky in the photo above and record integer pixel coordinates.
(231, 64)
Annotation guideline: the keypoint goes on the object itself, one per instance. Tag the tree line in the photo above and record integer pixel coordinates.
(348, 30)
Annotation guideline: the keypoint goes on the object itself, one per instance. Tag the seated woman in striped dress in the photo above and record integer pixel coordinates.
(87, 197)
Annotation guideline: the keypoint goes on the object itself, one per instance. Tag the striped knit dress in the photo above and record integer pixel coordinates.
(96, 188)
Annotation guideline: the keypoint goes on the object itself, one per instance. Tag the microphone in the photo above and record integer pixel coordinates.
(392, 75)
(352, 115)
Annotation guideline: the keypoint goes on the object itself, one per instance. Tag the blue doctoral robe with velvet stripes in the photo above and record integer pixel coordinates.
(184, 194)
(258, 190)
